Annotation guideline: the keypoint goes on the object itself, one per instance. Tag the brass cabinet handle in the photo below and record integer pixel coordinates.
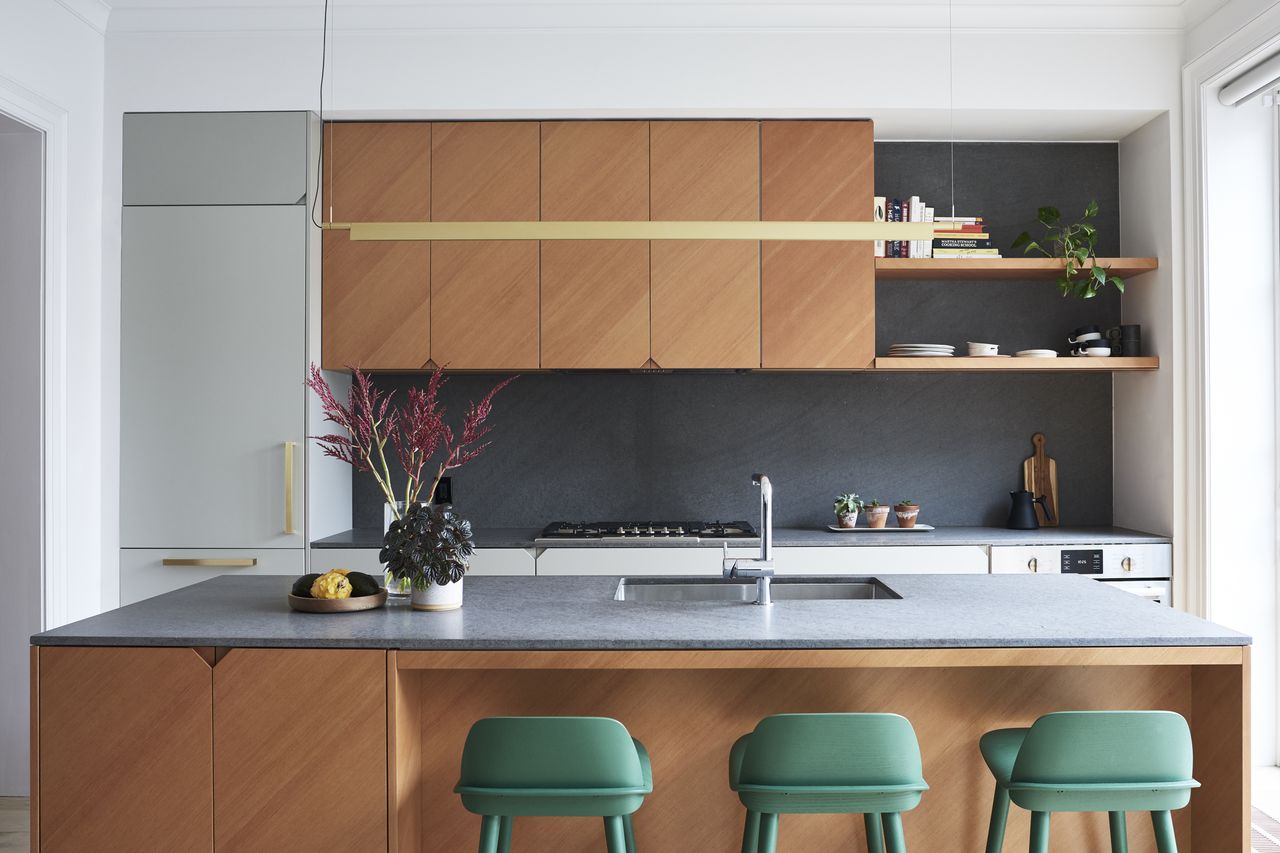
(222, 562)
(1127, 564)
(288, 487)
(1033, 564)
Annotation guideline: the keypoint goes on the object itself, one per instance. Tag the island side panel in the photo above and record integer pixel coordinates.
(124, 750)
(689, 718)
(300, 751)
(34, 816)
(1220, 719)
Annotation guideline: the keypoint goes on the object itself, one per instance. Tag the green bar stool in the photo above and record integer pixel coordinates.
(1091, 761)
(553, 767)
(866, 764)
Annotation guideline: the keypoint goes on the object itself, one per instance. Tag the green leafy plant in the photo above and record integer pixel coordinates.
(429, 544)
(872, 504)
(849, 504)
(907, 503)
(1075, 242)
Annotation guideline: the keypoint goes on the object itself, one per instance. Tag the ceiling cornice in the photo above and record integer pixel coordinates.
(95, 13)
(238, 16)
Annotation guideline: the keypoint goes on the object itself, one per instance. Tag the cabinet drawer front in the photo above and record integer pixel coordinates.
(215, 158)
(881, 560)
(1138, 561)
(1025, 559)
(144, 573)
(485, 561)
(691, 560)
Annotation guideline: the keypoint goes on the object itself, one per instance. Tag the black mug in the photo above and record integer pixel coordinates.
(1125, 340)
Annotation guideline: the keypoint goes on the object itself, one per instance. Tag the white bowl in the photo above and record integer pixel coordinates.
(1098, 352)
(983, 349)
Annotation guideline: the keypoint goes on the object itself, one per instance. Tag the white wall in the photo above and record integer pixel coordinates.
(53, 59)
(21, 227)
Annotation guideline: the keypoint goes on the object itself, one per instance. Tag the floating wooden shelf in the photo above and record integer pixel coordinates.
(968, 269)
(1066, 364)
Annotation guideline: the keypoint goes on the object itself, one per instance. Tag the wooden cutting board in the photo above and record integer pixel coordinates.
(1040, 477)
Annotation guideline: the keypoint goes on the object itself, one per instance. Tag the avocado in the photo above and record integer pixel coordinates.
(362, 584)
(302, 586)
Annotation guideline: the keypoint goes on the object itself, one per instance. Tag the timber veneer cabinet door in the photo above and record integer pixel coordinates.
(706, 293)
(125, 757)
(484, 293)
(595, 293)
(377, 295)
(300, 751)
(817, 298)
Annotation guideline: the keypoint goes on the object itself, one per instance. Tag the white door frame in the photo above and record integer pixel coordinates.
(51, 119)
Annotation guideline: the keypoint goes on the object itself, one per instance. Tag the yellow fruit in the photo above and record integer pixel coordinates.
(331, 585)
(341, 571)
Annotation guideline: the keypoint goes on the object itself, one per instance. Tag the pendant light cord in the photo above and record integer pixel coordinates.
(951, 95)
(324, 56)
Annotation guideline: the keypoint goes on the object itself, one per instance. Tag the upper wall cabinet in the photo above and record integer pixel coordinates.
(706, 293)
(376, 310)
(484, 312)
(817, 299)
(214, 158)
(595, 293)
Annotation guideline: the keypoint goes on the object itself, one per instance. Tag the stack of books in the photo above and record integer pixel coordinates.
(954, 236)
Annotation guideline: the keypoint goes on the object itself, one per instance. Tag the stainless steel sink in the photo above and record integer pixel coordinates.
(784, 589)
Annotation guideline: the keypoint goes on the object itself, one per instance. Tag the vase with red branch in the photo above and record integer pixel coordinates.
(426, 547)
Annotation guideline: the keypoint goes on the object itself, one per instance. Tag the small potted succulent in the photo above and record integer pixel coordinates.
(426, 547)
(847, 508)
(877, 513)
(907, 512)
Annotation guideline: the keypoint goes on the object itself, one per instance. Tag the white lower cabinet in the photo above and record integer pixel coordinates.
(1025, 559)
(485, 561)
(145, 572)
(860, 560)
(1118, 561)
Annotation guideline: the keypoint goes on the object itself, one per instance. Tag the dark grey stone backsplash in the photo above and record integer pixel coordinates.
(684, 446)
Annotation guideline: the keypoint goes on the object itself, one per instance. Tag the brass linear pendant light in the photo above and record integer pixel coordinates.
(610, 230)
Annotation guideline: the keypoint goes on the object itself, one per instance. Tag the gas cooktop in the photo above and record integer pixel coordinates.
(684, 530)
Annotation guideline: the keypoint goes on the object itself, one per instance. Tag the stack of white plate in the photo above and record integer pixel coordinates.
(1038, 353)
(921, 351)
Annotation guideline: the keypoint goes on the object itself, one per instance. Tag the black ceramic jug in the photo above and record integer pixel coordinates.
(1022, 515)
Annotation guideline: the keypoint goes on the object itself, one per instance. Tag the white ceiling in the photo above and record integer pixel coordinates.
(254, 15)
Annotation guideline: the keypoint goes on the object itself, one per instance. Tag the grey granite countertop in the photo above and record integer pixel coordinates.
(793, 537)
(527, 613)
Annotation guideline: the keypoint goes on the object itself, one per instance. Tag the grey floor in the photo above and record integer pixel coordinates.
(15, 835)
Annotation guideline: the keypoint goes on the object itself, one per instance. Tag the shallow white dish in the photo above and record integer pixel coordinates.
(893, 354)
(1098, 352)
(1038, 353)
(919, 527)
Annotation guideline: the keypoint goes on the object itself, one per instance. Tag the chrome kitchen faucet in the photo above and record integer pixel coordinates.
(760, 568)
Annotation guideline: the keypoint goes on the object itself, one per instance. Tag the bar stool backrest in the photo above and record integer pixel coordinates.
(1104, 747)
(833, 750)
(550, 752)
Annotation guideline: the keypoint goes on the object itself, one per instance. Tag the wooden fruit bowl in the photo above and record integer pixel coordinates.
(338, 605)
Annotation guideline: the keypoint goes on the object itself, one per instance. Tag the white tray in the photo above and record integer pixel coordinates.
(916, 529)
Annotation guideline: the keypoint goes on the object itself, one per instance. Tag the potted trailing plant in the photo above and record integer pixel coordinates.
(847, 508)
(1082, 275)
(877, 513)
(426, 547)
(906, 511)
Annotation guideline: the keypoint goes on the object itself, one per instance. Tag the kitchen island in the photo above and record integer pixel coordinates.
(213, 717)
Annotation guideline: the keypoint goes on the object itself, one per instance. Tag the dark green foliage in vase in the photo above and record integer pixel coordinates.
(430, 544)
(1075, 242)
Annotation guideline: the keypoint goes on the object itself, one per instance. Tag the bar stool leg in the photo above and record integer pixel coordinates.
(490, 828)
(768, 833)
(893, 838)
(875, 837)
(1039, 832)
(1119, 832)
(504, 835)
(615, 834)
(999, 817)
(1162, 822)
(751, 832)
(630, 830)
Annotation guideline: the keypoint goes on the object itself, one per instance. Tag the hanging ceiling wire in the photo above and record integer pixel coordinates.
(324, 56)
(951, 95)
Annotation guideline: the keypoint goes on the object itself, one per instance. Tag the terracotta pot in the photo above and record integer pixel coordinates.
(907, 514)
(437, 596)
(877, 516)
(848, 519)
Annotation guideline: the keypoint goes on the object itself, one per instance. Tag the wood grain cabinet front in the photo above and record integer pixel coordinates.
(122, 750)
(300, 751)
(595, 293)
(377, 296)
(706, 293)
(484, 311)
(817, 298)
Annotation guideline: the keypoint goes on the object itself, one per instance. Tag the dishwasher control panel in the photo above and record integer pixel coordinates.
(1082, 562)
